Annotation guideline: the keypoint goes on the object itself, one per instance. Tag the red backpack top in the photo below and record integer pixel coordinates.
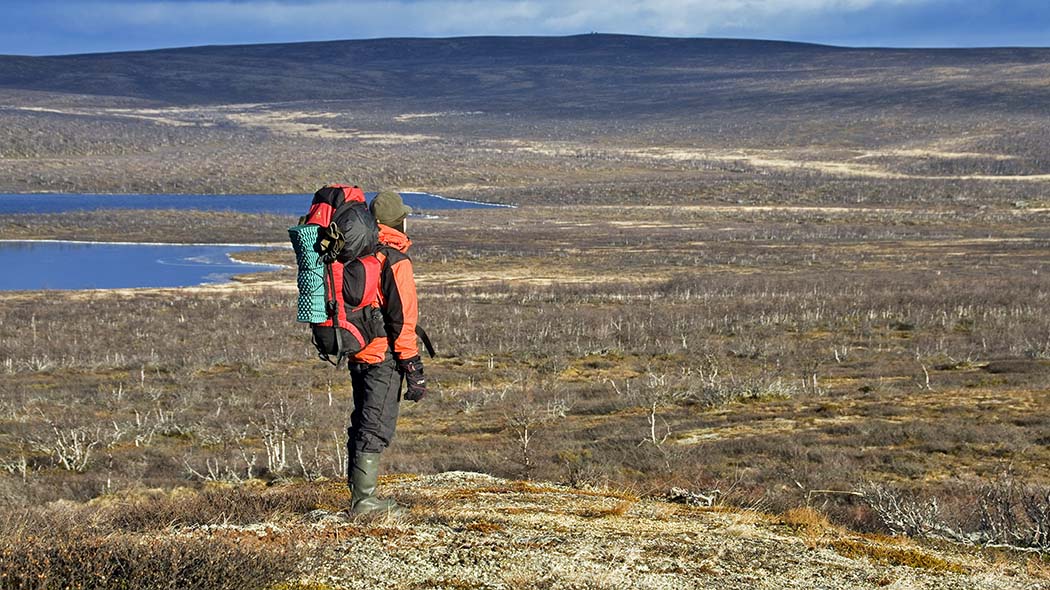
(348, 236)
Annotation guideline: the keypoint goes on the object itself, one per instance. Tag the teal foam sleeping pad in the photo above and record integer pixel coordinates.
(310, 279)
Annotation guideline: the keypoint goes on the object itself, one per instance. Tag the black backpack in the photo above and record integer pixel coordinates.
(338, 272)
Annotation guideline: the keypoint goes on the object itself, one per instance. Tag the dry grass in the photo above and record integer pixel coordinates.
(1038, 567)
(485, 527)
(906, 556)
(618, 509)
(811, 524)
(120, 561)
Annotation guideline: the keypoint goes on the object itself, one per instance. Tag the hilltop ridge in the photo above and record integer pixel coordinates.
(471, 530)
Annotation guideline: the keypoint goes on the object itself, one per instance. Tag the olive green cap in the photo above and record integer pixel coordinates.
(389, 209)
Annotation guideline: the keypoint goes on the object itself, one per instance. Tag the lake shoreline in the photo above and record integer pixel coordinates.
(76, 265)
(228, 199)
(89, 241)
(467, 201)
(109, 243)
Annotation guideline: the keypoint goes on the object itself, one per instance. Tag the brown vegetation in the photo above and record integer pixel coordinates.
(469, 530)
(786, 357)
(800, 293)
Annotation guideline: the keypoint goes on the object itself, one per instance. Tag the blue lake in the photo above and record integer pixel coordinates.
(75, 265)
(291, 205)
(30, 265)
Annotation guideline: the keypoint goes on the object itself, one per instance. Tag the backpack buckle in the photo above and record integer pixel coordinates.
(330, 242)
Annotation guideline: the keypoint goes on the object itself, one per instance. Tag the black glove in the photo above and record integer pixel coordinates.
(412, 370)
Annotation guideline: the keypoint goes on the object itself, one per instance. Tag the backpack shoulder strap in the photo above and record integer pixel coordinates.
(426, 339)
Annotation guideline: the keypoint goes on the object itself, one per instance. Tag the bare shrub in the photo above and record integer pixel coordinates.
(581, 469)
(240, 504)
(1015, 514)
(18, 465)
(523, 422)
(147, 540)
(1009, 514)
(280, 425)
(475, 399)
(719, 391)
(733, 333)
(902, 514)
(71, 447)
(129, 562)
(217, 469)
(654, 392)
(530, 414)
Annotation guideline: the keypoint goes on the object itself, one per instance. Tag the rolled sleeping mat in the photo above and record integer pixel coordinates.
(310, 279)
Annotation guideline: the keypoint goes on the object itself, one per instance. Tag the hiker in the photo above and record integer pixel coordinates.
(376, 371)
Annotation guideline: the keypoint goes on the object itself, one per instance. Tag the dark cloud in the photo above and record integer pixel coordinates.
(38, 27)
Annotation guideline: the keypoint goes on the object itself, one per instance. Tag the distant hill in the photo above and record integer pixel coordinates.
(496, 113)
(604, 73)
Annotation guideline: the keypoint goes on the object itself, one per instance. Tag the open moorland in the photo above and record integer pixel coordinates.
(806, 285)
(889, 368)
(593, 118)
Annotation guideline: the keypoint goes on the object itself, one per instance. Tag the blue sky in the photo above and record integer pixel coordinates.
(47, 27)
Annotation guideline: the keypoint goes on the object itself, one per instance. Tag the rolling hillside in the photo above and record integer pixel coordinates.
(611, 74)
(533, 119)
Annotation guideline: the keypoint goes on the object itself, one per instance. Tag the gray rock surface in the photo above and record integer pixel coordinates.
(468, 530)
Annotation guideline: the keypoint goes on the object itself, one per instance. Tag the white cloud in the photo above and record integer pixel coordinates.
(454, 17)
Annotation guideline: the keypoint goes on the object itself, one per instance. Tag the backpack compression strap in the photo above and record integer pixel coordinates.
(332, 303)
(426, 340)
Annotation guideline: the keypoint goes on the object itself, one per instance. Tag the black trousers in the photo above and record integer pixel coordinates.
(377, 397)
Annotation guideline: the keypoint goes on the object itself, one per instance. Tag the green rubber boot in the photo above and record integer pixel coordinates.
(364, 474)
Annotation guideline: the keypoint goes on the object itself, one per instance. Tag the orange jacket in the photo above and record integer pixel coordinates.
(397, 300)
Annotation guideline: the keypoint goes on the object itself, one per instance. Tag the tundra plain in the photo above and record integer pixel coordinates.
(778, 280)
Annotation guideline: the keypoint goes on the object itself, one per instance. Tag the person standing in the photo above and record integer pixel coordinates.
(377, 371)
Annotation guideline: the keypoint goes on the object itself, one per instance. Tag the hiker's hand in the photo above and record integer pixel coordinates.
(416, 383)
